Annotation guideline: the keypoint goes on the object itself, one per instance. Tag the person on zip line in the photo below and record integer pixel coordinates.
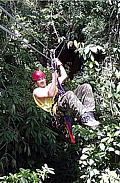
(79, 103)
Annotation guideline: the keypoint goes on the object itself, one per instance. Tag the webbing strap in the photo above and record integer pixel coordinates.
(69, 130)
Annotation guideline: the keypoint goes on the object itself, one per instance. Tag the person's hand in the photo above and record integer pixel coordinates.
(58, 63)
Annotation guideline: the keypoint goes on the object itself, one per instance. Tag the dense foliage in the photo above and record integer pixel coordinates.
(27, 176)
(29, 137)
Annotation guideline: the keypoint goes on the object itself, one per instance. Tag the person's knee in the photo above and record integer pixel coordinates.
(69, 93)
(87, 86)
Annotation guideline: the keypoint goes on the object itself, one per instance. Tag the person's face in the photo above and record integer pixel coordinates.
(41, 82)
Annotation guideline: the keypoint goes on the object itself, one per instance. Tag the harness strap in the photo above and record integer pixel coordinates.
(55, 101)
(67, 123)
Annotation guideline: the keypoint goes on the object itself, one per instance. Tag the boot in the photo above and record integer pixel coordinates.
(88, 119)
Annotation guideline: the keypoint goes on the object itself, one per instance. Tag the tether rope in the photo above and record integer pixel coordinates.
(64, 42)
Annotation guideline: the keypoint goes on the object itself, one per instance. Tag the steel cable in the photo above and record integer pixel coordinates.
(19, 39)
(22, 27)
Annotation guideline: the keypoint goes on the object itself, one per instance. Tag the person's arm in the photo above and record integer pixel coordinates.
(63, 74)
(52, 89)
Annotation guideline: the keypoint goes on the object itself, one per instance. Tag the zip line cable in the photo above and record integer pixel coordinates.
(25, 29)
(22, 26)
(19, 39)
(11, 33)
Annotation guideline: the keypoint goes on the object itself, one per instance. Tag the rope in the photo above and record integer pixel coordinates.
(61, 50)
(58, 45)
(57, 33)
(19, 39)
(64, 42)
(22, 27)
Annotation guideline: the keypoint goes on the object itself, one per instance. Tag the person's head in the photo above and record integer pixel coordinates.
(39, 78)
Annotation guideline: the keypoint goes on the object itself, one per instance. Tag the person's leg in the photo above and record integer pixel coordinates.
(80, 103)
(85, 94)
(70, 104)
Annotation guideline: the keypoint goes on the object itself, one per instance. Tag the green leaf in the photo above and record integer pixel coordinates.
(85, 150)
(83, 157)
(87, 49)
(75, 44)
(84, 56)
(23, 180)
(102, 146)
(4, 1)
(105, 139)
(117, 152)
(117, 133)
(94, 49)
(117, 73)
(116, 95)
(91, 161)
(96, 63)
(100, 48)
(70, 44)
(83, 176)
(92, 57)
(118, 88)
(111, 149)
(118, 105)
(91, 65)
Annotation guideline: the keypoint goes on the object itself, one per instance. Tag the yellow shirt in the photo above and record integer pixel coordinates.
(48, 101)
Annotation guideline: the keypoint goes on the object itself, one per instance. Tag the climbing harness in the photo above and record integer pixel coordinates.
(67, 121)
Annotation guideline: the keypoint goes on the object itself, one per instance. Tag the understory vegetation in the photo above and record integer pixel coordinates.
(30, 139)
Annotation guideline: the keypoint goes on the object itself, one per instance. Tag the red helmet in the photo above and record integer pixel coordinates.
(38, 74)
